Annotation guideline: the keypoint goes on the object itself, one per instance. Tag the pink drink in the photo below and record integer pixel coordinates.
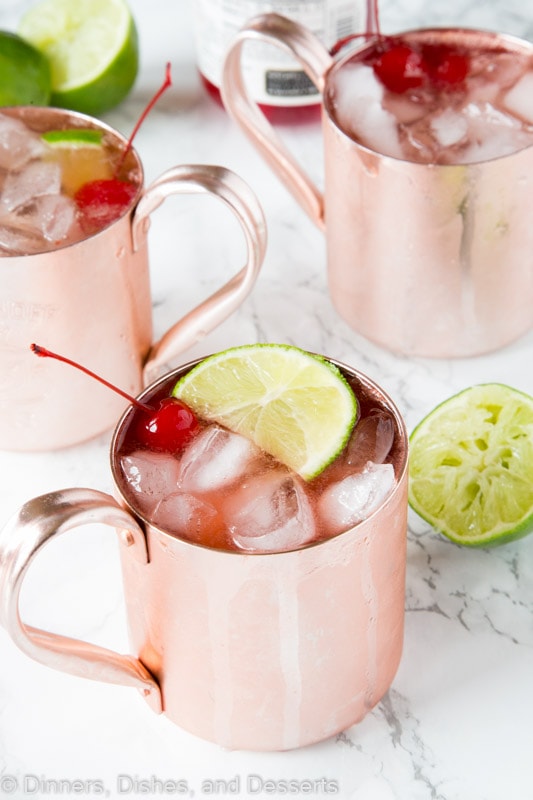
(223, 492)
(53, 194)
(262, 651)
(436, 97)
(268, 650)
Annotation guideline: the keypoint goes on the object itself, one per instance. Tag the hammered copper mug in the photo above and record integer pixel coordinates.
(254, 651)
(423, 259)
(91, 301)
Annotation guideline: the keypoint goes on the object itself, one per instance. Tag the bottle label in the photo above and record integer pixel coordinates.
(272, 76)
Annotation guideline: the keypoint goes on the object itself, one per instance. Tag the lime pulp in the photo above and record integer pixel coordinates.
(471, 466)
(296, 406)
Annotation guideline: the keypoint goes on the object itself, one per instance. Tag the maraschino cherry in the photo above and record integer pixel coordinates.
(100, 202)
(401, 67)
(167, 428)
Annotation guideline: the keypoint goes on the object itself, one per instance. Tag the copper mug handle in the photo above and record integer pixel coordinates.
(22, 539)
(316, 62)
(237, 195)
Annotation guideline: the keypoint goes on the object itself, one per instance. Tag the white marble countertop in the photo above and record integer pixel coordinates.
(457, 723)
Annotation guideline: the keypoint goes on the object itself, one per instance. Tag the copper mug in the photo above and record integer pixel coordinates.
(91, 301)
(250, 651)
(424, 260)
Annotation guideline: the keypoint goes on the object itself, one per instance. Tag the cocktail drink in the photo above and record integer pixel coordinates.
(436, 97)
(265, 606)
(428, 175)
(63, 176)
(60, 184)
(294, 584)
(74, 271)
(221, 490)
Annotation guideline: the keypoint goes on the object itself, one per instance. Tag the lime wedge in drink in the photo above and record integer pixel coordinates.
(81, 154)
(24, 73)
(73, 138)
(92, 48)
(471, 466)
(296, 406)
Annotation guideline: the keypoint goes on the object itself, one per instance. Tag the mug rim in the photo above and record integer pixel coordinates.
(31, 114)
(342, 59)
(403, 440)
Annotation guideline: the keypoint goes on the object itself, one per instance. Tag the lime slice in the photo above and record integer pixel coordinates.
(81, 155)
(471, 466)
(24, 73)
(92, 48)
(295, 406)
(74, 138)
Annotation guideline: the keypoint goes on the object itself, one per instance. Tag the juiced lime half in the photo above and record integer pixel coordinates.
(24, 73)
(296, 406)
(92, 48)
(471, 466)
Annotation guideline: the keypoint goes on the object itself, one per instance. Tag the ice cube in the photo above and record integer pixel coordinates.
(405, 108)
(16, 241)
(270, 513)
(418, 141)
(18, 145)
(215, 458)
(53, 216)
(371, 440)
(35, 180)
(355, 497)
(493, 134)
(191, 518)
(357, 99)
(449, 127)
(519, 99)
(150, 476)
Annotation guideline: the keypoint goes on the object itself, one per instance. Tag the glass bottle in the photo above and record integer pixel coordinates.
(274, 80)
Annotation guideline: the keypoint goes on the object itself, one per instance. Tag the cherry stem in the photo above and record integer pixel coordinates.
(372, 17)
(164, 86)
(42, 352)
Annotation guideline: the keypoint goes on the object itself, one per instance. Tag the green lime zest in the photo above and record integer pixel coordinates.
(73, 138)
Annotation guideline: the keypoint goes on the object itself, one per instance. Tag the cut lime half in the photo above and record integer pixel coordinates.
(296, 406)
(471, 466)
(92, 47)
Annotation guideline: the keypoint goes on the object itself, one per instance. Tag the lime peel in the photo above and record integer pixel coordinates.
(25, 77)
(296, 406)
(74, 138)
(471, 466)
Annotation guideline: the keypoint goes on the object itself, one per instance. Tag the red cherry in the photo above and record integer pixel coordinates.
(103, 201)
(446, 66)
(168, 428)
(399, 68)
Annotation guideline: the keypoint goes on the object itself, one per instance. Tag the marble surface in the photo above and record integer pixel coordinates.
(457, 721)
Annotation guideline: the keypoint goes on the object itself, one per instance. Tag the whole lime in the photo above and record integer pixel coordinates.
(25, 76)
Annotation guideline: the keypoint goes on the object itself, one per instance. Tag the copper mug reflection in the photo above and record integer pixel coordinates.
(91, 301)
(251, 651)
(424, 260)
